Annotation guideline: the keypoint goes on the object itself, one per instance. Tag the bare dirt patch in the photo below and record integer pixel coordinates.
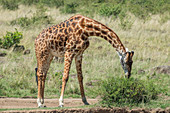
(8, 103)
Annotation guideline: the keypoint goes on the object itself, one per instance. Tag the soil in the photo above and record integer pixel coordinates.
(8, 103)
(14, 103)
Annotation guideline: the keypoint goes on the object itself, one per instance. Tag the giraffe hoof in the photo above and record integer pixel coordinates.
(86, 103)
(61, 106)
(42, 106)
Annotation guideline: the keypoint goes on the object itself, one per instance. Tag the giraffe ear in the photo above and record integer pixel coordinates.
(127, 50)
(131, 54)
(127, 55)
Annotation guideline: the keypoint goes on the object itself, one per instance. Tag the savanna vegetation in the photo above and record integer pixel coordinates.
(142, 25)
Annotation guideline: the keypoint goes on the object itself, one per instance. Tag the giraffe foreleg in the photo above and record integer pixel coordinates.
(41, 85)
(43, 66)
(78, 60)
(67, 64)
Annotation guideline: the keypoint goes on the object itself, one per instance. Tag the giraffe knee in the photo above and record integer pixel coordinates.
(41, 77)
(65, 79)
(80, 78)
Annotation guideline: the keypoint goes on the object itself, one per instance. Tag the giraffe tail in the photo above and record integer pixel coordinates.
(36, 75)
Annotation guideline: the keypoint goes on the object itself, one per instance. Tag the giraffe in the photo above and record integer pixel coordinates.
(69, 39)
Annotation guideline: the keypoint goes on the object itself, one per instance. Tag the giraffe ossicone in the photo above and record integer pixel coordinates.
(69, 39)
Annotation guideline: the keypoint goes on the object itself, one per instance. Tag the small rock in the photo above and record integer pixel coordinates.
(141, 71)
(99, 47)
(89, 83)
(2, 54)
(18, 48)
(1, 76)
(92, 82)
(27, 51)
(161, 70)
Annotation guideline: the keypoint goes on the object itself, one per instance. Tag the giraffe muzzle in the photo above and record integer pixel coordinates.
(127, 74)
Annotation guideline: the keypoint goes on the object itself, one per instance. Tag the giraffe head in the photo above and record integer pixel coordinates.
(126, 62)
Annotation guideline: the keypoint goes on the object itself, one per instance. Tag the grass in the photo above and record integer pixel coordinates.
(149, 40)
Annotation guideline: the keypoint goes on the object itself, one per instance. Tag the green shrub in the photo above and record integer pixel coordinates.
(23, 22)
(55, 3)
(10, 39)
(0, 41)
(125, 21)
(9, 4)
(109, 9)
(30, 2)
(122, 91)
(40, 17)
(144, 8)
(69, 6)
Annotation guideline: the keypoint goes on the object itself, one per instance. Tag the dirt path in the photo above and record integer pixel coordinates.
(32, 103)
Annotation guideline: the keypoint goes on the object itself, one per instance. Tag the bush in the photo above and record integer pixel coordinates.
(10, 39)
(109, 9)
(0, 41)
(30, 2)
(125, 21)
(56, 3)
(23, 22)
(9, 4)
(144, 8)
(69, 6)
(121, 91)
(40, 17)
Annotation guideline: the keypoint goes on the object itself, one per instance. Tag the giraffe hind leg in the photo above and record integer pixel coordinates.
(78, 60)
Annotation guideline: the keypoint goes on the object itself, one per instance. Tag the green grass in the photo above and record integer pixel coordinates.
(149, 39)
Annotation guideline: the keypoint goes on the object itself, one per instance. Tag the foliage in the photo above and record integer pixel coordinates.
(56, 3)
(50, 3)
(143, 8)
(121, 91)
(69, 6)
(10, 39)
(0, 41)
(125, 21)
(30, 2)
(58, 78)
(40, 17)
(9, 4)
(109, 9)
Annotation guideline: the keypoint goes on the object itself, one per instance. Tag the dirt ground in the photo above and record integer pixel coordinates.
(8, 103)
(13, 103)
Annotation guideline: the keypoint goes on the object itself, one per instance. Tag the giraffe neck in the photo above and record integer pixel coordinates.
(94, 28)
